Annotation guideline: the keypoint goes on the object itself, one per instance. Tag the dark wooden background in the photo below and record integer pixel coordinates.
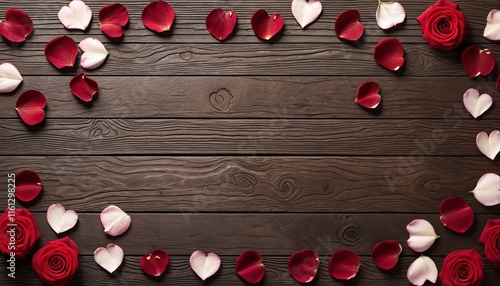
(245, 144)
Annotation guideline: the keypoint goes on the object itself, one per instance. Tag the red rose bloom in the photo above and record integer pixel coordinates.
(57, 262)
(22, 236)
(444, 27)
(491, 240)
(462, 268)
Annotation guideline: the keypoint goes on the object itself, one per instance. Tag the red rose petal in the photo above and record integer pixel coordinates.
(158, 16)
(385, 254)
(456, 214)
(347, 25)
(303, 265)
(389, 53)
(17, 25)
(112, 19)
(155, 263)
(30, 105)
(265, 26)
(367, 95)
(344, 264)
(221, 24)
(249, 266)
(28, 185)
(61, 52)
(477, 62)
(83, 87)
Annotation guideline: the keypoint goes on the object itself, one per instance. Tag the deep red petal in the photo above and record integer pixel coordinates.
(477, 62)
(83, 87)
(385, 254)
(30, 106)
(155, 263)
(347, 25)
(112, 30)
(158, 16)
(61, 52)
(112, 19)
(344, 264)
(456, 214)
(303, 265)
(28, 185)
(367, 95)
(250, 267)
(220, 24)
(17, 27)
(265, 26)
(389, 53)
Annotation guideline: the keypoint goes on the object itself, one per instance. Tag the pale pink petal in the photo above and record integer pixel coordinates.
(477, 104)
(76, 15)
(489, 145)
(421, 270)
(487, 190)
(422, 235)
(306, 11)
(10, 78)
(492, 29)
(114, 220)
(60, 219)
(109, 258)
(389, 14)
(94, 53)
(204, 265)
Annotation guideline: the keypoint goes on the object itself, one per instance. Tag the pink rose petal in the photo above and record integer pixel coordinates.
(476, 104)
(109, 258)
(204, 265)
(115, 221)
(76, 15)
(489, 145)
(306, 11)
(60, 219)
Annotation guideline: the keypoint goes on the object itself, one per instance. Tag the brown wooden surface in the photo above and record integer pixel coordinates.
(245, 144)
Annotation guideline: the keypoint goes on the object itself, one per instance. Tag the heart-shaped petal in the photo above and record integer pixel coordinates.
(30, 105)
(348, 27)
(220, 24)
(83, 87)
(489, 145)
(249, 266)
(303, 265)
(109, 258)
(389, 53)
(344, 264)
(204, 265)
(306, 11)
(112, 19)
(487, 190)
(421, 270)
(492, 29)
(17, 25)
(28, 185)
(265, 26)
(61, 52)
(115, 221)
(155, 263)
(10, 78)
(477, 62)
(94, 53)
(60, 219)
(477, 104)
(158, 16)
(76, 15)
(389, 14)
(422, 235)
(386, 253)
(456, 214)
(368, 95)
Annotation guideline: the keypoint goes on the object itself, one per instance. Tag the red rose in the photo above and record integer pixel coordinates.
(491, 240)
(57, 262)
(21, 236)
(444, 27)
(462, 268)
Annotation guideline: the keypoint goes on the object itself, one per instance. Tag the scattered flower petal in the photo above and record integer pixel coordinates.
(487, 190)
(489, 145)
(158, 16)
(94, 53)
(114, 220)
(492, 29)
(17, 25)
(421, 270)
(303, 265)
(220, 24)
(204, 265)
(344, 264)
(28, 185)
(76, 15)
(477, 104)
(456, 214)
(112, 19)
(109, 258)
(30, 105)
(477, 62)
(265, 26)
(60, 219)
(249, 266)
(348, 27)
(306, 11)
(10, 78)
(389, 53)
(61, 52)
(389, 14)
(83, 87)
(368, 95)
(155, 263)
(422, 235)
(386, 253)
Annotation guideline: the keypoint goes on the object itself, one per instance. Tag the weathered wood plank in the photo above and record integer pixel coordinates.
(254, 97)
(253, 184)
